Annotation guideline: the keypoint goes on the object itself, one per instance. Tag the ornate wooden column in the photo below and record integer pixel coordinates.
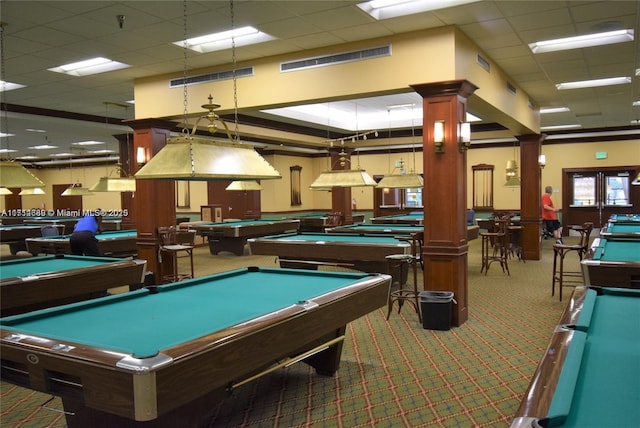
(127, 162)
(154, 200)
(341, 196)
(445, 192)
(530, 194)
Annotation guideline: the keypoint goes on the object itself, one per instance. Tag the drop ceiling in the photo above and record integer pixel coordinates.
(44, 34)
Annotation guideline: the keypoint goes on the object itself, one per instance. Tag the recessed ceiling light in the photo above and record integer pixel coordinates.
(242, 36)
(59, 155)
(635, 103)
(7, 151)
(99, 152)
(584, 41)
(89, 67)
(594, 83)
(8, 86)
(43, 147)
(42, 131)
(88, 143)
(550, 128)
(385, 9)
(546, 110)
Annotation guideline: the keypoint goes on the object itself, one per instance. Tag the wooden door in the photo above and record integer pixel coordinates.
(594, 194)
(235, 204)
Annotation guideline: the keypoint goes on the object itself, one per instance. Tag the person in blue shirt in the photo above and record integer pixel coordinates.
(83, 239)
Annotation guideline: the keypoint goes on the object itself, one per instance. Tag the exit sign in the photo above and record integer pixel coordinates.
(601, 155)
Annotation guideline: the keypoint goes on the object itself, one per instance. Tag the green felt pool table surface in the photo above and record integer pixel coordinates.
(589, 376)
(39, 265)
(617, 249)
(378, 228)
(168, 352)
(625, 218)
(337, 238)
(629, 230)
(139, 313)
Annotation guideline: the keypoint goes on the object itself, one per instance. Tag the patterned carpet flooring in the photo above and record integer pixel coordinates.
(393, 373)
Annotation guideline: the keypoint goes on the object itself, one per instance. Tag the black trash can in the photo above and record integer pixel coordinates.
(436, 309)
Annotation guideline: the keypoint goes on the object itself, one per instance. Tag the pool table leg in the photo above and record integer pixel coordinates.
(327, 362)
(234, 245)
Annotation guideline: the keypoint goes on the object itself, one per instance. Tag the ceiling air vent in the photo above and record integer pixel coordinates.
(321, 61)
(211, 77)
(483, 63)
(511, 88)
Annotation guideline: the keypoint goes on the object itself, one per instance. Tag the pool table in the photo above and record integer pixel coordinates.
(67, 221)
(167, 354)
(613, 261)
(621, 230)
(590, 372)
(32, 283)
(303, 250)
(399, 229)
(414, 217)
(232, 235)
(625, 218)
(15, 234)
(121, 243)
(318, 222)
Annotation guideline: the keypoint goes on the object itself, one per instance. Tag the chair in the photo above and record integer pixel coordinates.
(170, 250)
(51, 230)
(515, 241)
(560, 251)
(416, 240)
(495, 245)
(404, 292)
(334, 219)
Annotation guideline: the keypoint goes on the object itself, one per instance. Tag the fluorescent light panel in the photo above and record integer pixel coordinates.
(551, 128)
(547, 110)
(584, 41)
(8, 86)
(385, 9)
(594, 83)
(242, 36)
(89, 67)
(43, 147)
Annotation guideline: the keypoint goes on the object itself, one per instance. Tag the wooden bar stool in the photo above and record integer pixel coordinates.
(559, 253)
(170, 251)
(495, 246)
(404, 292)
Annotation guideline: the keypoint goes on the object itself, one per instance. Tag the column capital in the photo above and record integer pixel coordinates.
(463, 88)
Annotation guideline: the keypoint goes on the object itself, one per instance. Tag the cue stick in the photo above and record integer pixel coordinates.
(288, 362)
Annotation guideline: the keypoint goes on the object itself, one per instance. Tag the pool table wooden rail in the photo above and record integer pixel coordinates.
(539, 395)
(46, 289)
(104, 389)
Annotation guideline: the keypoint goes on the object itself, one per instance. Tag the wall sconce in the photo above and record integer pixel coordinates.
(141, 156)
(465, 137)
(438, 135)
(542, 161)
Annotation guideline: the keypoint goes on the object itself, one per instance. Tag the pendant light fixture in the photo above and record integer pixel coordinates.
(343, 177)
(120, 182)
(12, 173)
(402, 180)
(511, 171)
(193, 158)
(244, 185)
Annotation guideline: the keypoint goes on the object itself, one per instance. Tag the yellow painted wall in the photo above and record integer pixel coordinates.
(276, 197)
(578, 155)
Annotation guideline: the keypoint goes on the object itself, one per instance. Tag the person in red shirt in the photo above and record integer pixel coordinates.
(549, 215)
